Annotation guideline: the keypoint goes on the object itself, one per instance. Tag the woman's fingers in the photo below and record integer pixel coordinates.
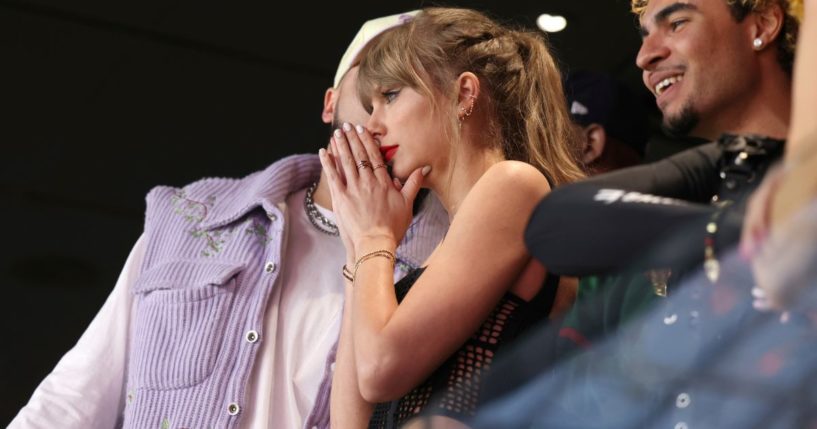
(347, 160)
(413, 183)
(332, 152)
(373, 152)
(362, 161)
(330, 169)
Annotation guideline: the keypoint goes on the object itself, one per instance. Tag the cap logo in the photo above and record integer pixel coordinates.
(578, 109)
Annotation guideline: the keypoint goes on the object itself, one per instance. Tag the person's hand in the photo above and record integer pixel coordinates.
(370, 206)
(347, 242)
(761, 302)
(756, 226)
(756, 222)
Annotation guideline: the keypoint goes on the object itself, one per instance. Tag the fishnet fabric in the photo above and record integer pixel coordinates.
(453, 390)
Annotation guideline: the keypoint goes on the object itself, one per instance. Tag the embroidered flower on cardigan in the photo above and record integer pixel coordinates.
(215, 239)
(404, 266)
(196, 211)
(192, 210)
(259, 231)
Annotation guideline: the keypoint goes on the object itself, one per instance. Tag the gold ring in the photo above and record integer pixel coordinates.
(363, 164)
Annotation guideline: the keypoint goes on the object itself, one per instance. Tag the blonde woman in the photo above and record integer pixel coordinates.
(475, 112)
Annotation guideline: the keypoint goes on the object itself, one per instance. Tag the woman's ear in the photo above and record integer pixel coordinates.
(467, 90)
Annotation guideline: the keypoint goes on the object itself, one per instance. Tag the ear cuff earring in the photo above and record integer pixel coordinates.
(467, 112)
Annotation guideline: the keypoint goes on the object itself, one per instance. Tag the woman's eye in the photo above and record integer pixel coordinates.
(389, 96)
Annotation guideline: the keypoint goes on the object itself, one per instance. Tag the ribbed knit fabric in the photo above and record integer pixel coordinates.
(213, 257)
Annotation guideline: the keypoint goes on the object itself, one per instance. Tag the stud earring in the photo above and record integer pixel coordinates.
(757, 43)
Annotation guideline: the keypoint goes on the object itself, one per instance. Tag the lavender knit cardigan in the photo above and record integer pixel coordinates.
(214, 254)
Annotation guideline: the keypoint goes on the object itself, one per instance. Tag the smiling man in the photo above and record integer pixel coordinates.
(719, 70)
(718, 66)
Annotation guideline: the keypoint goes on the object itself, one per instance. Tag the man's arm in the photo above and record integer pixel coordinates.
(605, 223)
(86, 388)
(690, 175)
(588, 230)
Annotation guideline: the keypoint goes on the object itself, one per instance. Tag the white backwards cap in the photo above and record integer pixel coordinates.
(367, 32)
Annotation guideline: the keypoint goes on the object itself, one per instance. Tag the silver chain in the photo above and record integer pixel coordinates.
(320, 221)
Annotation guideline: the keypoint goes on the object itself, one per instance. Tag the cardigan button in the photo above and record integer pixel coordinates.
(233, 409)
(270, 267)
(252, 336)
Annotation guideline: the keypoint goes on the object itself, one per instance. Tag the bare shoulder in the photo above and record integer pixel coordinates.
(512, 179)
(509, 189)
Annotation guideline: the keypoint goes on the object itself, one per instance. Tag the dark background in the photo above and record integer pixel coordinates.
(102, 100)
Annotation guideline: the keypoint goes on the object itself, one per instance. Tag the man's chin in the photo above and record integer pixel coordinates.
(682, 123)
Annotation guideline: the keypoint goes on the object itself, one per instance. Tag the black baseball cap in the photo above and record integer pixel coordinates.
(595, 97)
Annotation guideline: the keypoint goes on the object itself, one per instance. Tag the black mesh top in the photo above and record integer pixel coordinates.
(453, 389)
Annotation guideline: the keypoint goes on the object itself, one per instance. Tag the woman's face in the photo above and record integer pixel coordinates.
(410, 134)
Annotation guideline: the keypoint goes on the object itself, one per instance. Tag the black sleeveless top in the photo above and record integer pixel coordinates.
(453, 389)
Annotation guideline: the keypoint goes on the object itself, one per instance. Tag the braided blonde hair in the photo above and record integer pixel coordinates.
(527, 111)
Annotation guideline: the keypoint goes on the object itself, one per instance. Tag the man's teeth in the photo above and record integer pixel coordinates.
(666, 83)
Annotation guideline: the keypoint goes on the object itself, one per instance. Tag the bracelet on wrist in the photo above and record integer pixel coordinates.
(348, 275)
(376, 254)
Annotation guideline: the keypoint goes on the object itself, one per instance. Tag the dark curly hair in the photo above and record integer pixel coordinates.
(741, 8)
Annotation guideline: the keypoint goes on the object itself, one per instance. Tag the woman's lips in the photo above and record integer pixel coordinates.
(388, 152)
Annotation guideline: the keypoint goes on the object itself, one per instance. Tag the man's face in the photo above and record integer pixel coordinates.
(698, 62)
(349, 108)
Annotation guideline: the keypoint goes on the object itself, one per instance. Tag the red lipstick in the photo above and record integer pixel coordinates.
(388, 152)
